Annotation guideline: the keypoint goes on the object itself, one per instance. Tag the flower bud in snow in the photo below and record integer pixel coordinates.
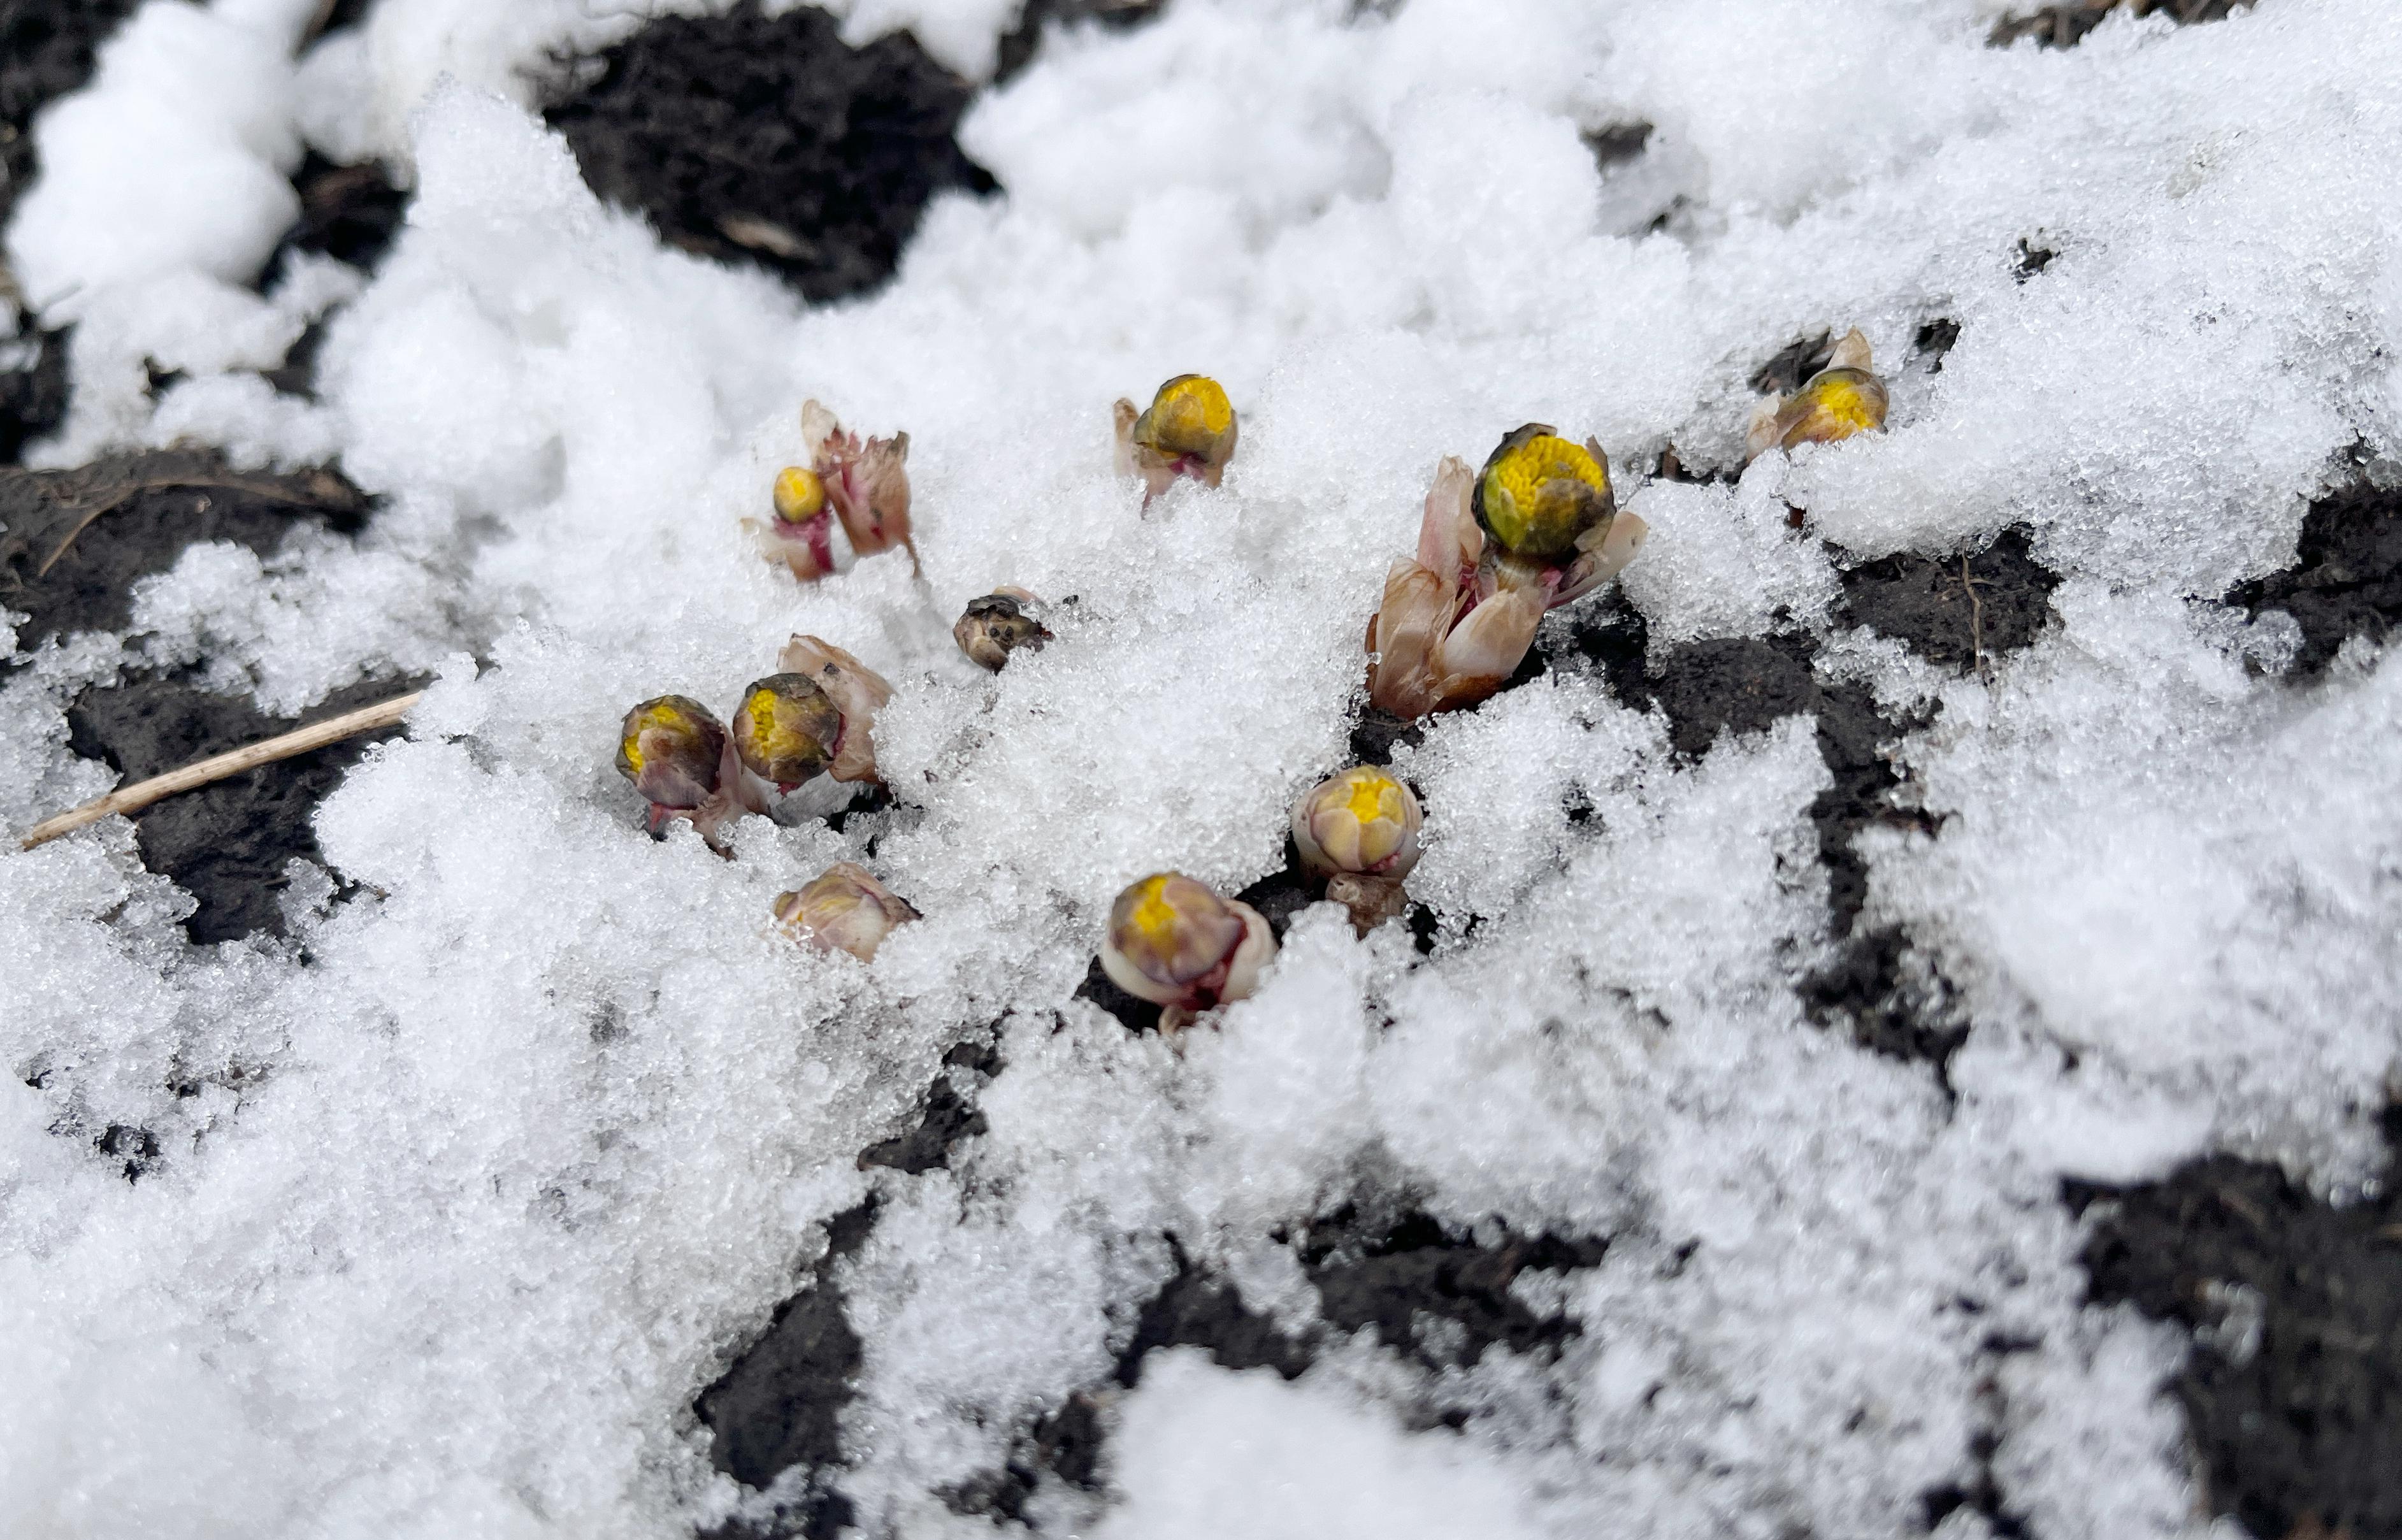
(787, 729)
(998, 625)
(846, 909)
(1840, 400)
(1188, 430)
(1174, 942)
(684, 764)
(866, 482)
(1359, 831)
(857, 692)
(802, 534)
(1457, 619)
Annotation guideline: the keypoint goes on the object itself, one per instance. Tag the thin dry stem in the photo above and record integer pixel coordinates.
(217, 767)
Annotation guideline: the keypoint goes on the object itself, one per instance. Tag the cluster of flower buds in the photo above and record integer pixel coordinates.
(846, 910)
(815, 718)
(861, 485)
(1357, 833)
(1173, 941)
(1187, 432)
(1000, 624)
(1538, 528)
(1840, 400)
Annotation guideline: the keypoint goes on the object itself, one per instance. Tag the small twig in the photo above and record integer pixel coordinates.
(141, 794)
(115, 495)
(1969, 586)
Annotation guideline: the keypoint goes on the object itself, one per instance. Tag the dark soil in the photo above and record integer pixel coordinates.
(2064, 26)
(948, 1118)
(348, 213)
(2346, 579)
(1134, 1015)
(32, 391)
(1042, 17)
(780, 1405)
(2293, 1391)
(766, 140)
(1956, 613)
(1934, 340)
(75, 542)
(1796, 361)
(1394, 1273)
(226, 844)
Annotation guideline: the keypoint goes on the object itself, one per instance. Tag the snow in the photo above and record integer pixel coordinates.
(469, 1185)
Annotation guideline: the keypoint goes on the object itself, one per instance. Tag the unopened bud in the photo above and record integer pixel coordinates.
(1175, 943)
(1362, 820)
(1189, 429)
(672, 750)
(787, 729)
(1538, 495)
(998, 625)
(1840, 400)
(844, 909)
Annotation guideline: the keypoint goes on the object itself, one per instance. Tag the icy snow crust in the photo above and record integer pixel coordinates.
(466, 1188)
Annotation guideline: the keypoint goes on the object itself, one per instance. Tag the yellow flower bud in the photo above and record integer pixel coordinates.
(673, 751)
(1189, 429)
(1840, 400)
(800, 494)
(1173, 941)
(846, 909)
(1363, 820)
(1538, 494)
(787, 729)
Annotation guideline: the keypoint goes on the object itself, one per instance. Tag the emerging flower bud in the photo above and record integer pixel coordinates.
(685, 765)
(857, 692)
(1174, 942)
(787, 729)
(866, 482)
(802, 534)
(1840, 400)
(1538, 494)
(1188, 430)
(846, 909)
(998, 625)
(1457, 619)
(1359, 831)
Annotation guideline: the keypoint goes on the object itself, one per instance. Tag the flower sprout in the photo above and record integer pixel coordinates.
(857, 693)
(1840, 400)
(802, 533)
(846, 909)
(1173, 941)
(1357, 833)
(1188, 430)
(685, 765)
(1000, 624)
(1536, 528)
(787, 729)
(866, 482)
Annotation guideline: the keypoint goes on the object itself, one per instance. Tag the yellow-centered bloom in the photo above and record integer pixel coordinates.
(1362, 820)
(1840, 400)
(1175, 943)
(1189, 429)
(846, 909)
(1538, 494)
(787, 729)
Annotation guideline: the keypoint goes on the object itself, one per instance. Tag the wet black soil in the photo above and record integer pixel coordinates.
(1956, 613)
(75, 542)
(2064, 26)
(74, 545)
(767, 140)
(2346, 579)
(349, 212)
(226, 844)
(948, 1115)
(2293, 1391)
(780, 1403)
